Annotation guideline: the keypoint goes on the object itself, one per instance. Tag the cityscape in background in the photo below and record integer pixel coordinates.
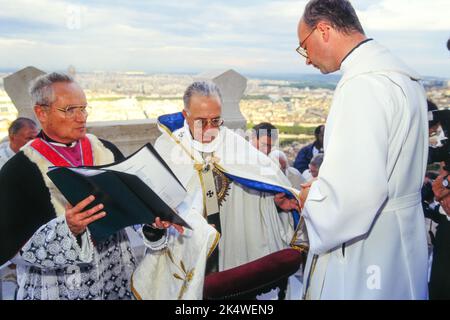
(296, 105)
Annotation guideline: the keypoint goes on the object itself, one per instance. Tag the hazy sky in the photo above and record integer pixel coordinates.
(250, 36)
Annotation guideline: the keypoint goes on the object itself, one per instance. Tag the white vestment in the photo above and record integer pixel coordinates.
(178, 271)
(250, 224)
(363, 214)
(295, 177)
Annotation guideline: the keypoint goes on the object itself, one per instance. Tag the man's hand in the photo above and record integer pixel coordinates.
(445, 204)
(286, 204)
(305, 191)
(440, 192)
(78, 220)
(158, 224)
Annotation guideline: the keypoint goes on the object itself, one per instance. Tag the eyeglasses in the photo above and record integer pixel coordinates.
(302, 51)
(71, 111)
(202, 123)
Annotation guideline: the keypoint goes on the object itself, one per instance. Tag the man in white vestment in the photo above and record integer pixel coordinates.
(245, 195)
(363, 213)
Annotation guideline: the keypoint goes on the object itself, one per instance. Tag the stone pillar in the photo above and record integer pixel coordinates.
(232, 86)
(16, 86)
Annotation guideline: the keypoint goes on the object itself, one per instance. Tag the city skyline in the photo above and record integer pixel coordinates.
(251, 37)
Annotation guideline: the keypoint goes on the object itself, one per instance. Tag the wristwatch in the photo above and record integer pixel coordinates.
(445, 182)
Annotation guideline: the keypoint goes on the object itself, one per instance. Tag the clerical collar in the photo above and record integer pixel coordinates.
(45, 137)
(202, 147)
(356, 47)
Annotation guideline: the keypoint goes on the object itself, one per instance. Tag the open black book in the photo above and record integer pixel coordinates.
(133, 191)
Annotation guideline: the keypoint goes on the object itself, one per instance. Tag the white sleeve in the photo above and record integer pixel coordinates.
(352, 184)
(156, 245)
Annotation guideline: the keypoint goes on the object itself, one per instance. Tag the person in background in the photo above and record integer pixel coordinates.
(294, 176)
(20, 132)
(306, 153)
(313, 167)
(264, 137)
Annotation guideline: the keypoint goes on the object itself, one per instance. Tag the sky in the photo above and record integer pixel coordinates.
(250, 36)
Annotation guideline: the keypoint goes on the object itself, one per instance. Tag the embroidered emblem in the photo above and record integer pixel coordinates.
(188, 275)
(223, 185)
(210, 193)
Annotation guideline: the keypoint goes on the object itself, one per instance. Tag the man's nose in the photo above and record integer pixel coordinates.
(208, 126)
(308, 61)
(80, 116)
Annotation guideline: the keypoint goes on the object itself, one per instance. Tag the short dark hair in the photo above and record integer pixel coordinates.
(265, 129)
(431, 105)
(339, 13)
(20, 123)
(317, 129)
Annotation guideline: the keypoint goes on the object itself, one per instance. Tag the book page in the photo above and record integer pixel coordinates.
(153, 173)
(86, 172)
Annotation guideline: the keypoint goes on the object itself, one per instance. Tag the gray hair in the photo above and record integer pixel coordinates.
(20, 123)
(317, 160)
(201, 88)
(41, 90)
(339, 13)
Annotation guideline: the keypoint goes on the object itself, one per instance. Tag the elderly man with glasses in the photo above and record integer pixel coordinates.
(245, 195)
(363, 213)
(40, 232)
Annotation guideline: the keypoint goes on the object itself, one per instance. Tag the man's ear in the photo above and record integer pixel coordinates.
(12, 137)
(40, 113)
(324, 30)
(184, 113)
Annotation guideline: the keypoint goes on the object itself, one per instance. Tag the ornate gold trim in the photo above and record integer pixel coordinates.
(133, 290)
(167, 130)
(214, 245)
(222, 185)
(202, 184)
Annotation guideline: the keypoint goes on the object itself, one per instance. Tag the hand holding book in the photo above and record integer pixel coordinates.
(133, 191)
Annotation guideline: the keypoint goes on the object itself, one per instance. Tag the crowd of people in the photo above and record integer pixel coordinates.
(354, 202)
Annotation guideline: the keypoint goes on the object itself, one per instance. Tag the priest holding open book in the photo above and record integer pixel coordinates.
(47, 238)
